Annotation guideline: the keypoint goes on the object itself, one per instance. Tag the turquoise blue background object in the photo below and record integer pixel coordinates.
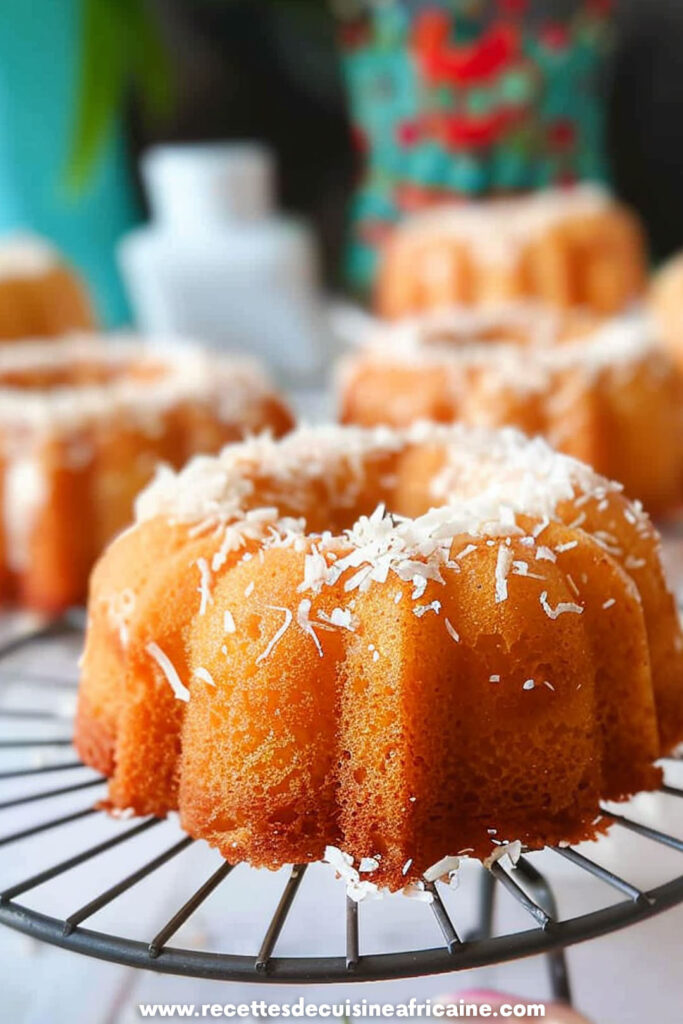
(39, 56)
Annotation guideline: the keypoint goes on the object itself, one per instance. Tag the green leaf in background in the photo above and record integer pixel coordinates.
(121, 48)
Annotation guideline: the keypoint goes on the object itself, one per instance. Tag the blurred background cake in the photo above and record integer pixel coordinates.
(569, 247)
(40, 296)
(83, 424)
(605, 393)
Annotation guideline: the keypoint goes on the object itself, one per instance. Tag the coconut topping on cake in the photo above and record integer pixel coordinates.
(496, 231)
(451, 327)
(298, 671)
(487, 480)
(80, 379)
(457, 339)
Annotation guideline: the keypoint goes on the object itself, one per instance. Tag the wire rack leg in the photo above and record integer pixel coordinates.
(557, 962)
(487, 895)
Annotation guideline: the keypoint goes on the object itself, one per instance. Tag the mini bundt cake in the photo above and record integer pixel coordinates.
(666, 306)
(601, 391)
(40, 296)
(566, 247)
(293, 667)
(83, 425)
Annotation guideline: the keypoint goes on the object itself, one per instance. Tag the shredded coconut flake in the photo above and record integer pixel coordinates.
(340, 617)
(422, 609)
(442, 870)
(540, 527)
(572, 584)
(119, 608)
(513, 851)
(487, 481)
(342, 863)
(204, 675)
(228, 621)
(521, 568)
(417, 891)
(467, 550)
(275, 640)
(561, 609)
(204, 584)
(452, 632)
(180, 691)
(302, 617)
(503, 565)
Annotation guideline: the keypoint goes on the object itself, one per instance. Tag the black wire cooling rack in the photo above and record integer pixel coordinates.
(529, 887)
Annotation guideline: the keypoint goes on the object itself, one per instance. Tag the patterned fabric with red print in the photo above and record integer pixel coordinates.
(459, 98)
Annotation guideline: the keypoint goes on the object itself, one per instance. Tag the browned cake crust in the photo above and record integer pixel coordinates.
(400, 688)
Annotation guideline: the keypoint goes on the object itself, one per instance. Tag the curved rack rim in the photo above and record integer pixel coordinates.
(378, 967)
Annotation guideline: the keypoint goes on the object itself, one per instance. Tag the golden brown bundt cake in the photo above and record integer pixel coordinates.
(293, 667)
(82, 427)
(601, 391)
(566, 247)
(40, 295)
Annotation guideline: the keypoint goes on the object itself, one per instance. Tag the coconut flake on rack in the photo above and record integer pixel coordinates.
(417, 891)
(443, 870)
(342, 863)
(512, 851)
